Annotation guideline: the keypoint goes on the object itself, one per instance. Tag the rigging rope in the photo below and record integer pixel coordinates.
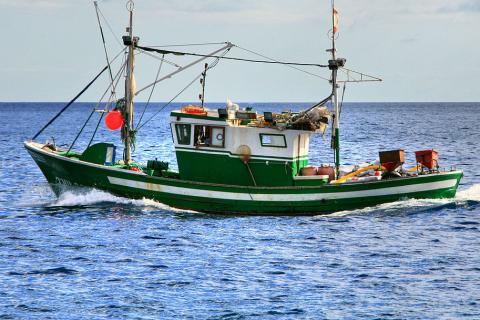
(117, 78)
(169, 102)
(161, 59)
(96, 129)
(110, 28)
(151, 92)
(189, 44)
(212, 65)
(231, 58)
(341, 101)
(362, 75)
(70, 103)
(104, 46)
(99, 121)
(290, 66)
(81, 130)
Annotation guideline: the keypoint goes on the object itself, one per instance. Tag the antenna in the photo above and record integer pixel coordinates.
(334, 28)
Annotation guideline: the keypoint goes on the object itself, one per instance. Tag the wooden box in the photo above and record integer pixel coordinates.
(392, 159)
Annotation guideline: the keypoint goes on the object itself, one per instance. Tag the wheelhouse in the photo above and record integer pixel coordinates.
(232, 150)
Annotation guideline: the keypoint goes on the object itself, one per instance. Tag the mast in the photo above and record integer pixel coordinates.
(130, 42)
(333, 65)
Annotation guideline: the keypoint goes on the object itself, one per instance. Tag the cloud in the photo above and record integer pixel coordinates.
(206, 5)
(470, 6)
(34, 4)
(409, 40)
(231, 11)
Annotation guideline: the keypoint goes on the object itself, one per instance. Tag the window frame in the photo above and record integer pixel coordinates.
(261, 135)
(189, 133)
(209, 130)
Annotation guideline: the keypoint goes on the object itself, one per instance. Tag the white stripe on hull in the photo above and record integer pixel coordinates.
(429, 186)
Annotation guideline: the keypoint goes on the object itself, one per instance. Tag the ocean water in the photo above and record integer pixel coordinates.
(92, 255)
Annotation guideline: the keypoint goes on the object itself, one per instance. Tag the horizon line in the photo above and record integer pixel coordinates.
(268, 102)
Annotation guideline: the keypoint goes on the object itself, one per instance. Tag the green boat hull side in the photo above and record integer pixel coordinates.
(197, 196)
(224, 169)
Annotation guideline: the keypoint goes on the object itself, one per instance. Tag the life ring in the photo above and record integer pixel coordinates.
(191, 109)
(219, 137)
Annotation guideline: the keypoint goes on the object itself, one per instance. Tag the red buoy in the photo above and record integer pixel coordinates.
(114, 120)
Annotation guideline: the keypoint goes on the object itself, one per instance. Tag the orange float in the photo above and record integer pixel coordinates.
(191, 109)
(114, 120)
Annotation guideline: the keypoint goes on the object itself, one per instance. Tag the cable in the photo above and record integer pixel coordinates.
(215, 62)
(350, 78)
(231, 58)
(161, 59)
(169, 102)
(70, 103)
(104, 46)
(183, 68)
(189, 44)
(117, 78)
(151, 92)
(96, 129)
(341, 102)
(290, 66)
(109, 27)
(81, 130)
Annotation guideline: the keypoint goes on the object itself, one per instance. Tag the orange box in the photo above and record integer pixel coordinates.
(427, 158)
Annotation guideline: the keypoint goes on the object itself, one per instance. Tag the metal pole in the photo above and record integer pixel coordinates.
(336, 122)
(129, 94)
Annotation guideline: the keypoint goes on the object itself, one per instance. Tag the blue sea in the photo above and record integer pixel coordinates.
(92, 255)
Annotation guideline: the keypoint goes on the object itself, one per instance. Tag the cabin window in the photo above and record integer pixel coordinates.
(110, 156)
(207, 136)
(273, 140)
(183, 133)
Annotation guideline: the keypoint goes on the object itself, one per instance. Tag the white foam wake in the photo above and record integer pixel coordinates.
(470, 194)
(73, 198)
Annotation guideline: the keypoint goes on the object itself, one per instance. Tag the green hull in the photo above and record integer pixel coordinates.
(231, 199)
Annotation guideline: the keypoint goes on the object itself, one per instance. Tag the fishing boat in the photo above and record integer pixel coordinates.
(235, 160)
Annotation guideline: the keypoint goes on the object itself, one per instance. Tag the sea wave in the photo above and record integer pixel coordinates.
(72, 198)
(469, 196)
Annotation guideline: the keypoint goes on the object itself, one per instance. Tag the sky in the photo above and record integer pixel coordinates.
(425, 51)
